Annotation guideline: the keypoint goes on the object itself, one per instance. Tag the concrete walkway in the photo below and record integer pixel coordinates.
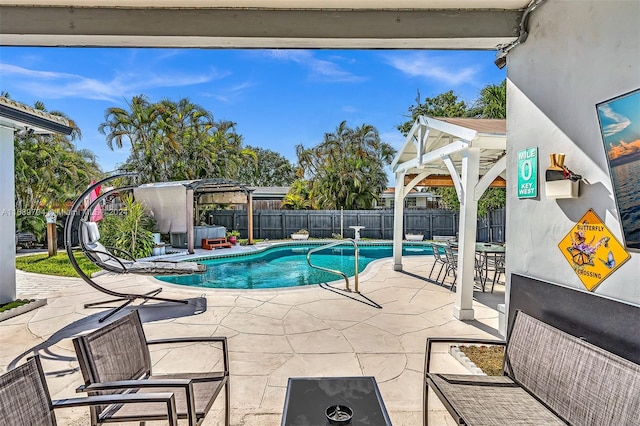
(273, 335)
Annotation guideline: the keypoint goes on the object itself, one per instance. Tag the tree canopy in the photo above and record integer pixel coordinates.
(346, 170)
(49, 172)
(269, 168)
(175, 140)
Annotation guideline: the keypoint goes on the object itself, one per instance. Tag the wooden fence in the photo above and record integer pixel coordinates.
(378, 224)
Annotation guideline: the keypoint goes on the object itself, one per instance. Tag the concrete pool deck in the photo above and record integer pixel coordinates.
(273, 335)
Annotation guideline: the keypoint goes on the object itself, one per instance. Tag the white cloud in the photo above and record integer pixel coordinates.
(319, 68)
(432, 67)
(620, 122)
(54, 85)
(230, 94)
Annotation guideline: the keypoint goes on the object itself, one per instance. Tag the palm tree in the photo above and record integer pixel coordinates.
(346, 169)
(492, 102)
(49, 171)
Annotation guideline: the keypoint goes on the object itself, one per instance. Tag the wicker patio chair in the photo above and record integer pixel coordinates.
(116, 359)
(25, 399)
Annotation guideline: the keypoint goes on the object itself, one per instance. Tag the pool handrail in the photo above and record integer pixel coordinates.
(333, 271)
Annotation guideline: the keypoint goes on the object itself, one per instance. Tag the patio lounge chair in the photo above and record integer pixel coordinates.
(25, 399)
(106, 259)
(109, 260)
(116, 359)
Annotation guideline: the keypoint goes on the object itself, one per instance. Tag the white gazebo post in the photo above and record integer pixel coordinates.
(463, 308)
(453, 146)
(398, 221)
(7, 218)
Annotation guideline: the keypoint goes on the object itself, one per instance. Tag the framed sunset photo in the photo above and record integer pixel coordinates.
(620, 127)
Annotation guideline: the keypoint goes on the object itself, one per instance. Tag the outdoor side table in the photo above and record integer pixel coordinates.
(307, 399)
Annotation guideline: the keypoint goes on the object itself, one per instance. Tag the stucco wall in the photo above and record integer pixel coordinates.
(578, 54)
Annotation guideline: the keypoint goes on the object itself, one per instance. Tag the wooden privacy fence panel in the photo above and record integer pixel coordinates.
(378, 224)
(491, 228)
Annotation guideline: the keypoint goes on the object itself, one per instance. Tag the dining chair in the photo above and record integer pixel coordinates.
(452, 264)
(493, 262)
(25, 399)
(437, 259)
(116, 359)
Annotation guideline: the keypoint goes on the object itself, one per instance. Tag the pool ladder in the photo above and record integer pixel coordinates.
(334, 271)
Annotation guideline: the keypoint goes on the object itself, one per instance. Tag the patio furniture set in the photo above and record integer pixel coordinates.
(549, 377)
(490, 259)
(116, 367)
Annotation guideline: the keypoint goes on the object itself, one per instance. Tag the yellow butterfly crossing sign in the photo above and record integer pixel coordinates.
(592, 250)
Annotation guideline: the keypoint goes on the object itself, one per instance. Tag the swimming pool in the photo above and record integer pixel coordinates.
(286, 266)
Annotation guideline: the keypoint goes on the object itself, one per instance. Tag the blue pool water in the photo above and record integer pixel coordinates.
(286, 266)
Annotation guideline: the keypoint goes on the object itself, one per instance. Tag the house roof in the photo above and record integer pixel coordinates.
(22, 117)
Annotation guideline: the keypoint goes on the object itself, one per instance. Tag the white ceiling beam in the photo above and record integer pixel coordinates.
(176, 25)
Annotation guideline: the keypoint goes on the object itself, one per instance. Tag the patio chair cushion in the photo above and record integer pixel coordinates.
(90, 232)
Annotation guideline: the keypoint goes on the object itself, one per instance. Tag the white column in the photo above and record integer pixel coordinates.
(7, 218)
(463, 308)
(398, 221)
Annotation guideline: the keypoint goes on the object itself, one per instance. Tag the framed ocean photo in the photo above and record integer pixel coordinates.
(620, 127)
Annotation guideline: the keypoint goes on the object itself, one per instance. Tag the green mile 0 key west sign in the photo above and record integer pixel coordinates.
(528, 173)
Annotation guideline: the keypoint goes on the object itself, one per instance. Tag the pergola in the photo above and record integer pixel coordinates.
(469, 154)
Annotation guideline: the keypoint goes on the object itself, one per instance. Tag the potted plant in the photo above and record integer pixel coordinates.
(302, 234)
(233, 236)
(414, 237)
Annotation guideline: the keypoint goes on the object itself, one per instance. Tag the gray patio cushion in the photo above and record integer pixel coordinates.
(584, 384)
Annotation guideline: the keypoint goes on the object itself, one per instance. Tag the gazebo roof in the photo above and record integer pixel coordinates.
(430, 139)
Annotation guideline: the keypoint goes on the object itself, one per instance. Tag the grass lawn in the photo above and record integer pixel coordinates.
(14, 304)
(57, 265)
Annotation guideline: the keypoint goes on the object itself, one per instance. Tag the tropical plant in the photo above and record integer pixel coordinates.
(492, 102)
(49, 172)
(298, 196)
(174, 140)
(346, 170)
(130, 230)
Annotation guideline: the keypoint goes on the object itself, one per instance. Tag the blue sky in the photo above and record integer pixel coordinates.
(278, 98)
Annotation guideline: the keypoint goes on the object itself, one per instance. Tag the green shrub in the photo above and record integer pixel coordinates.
(131, 231)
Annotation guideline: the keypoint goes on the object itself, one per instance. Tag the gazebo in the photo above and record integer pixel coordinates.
(466, 153)
(175, 206)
